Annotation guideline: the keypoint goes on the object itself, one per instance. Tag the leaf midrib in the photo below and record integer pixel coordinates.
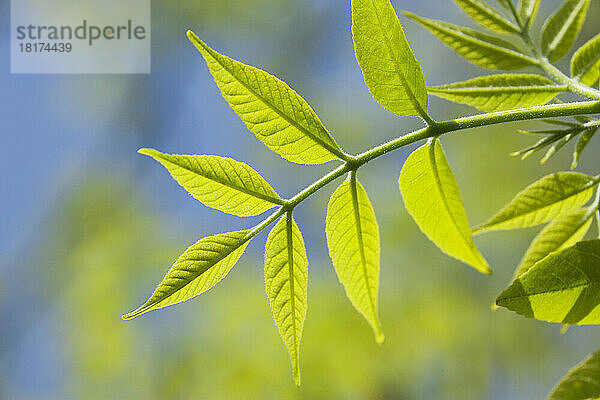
(438, 183)
(361, 248)
(565, 27)
(449, 29)
(502, 89)
(290, 247)
(485, 227)
(405, 83)
(148, 306)
(262, 196)
(335, 151)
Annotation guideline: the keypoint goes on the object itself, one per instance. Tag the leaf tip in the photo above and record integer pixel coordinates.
(297, 379)
(192, 36)
(147, 151)
(379, 337)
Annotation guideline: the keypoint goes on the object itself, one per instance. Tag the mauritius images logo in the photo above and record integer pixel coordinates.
(80, 36)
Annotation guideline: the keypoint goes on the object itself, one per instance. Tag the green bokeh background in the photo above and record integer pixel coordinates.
(91, 227)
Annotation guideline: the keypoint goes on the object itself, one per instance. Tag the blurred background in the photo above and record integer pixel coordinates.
(89, 228)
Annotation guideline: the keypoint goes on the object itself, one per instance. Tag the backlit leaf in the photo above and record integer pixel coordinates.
(563, 287)
(353, 242)
(220, 182)
(563, 232)
(275, 113)
(543, 201)
(561, 29)
(390, 69)
(199, 268)
(286, 280)
(500, 92)
(481, 49)
(432, 198)
(528, 10)
(585, 64)
(581, 383)
(487, 16)
(582, 143)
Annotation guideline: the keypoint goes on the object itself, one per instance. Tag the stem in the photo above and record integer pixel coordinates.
(435, 130)
(573, 85)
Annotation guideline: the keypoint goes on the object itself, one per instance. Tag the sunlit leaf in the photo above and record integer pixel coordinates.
(432, 197)
(487, 16)
(199, 268)
(500, 92)
(390, 69)
(563, 287)
(558, 145)
(353, 242)
(220, 182)
(481, 49)
(585, 64)
(581, 383)
(561, 29)
(582, 143)
(286, 280)
(561, 233)
(528, 10)
(543, 201)
(275, 113)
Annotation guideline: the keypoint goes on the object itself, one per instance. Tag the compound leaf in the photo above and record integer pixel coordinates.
(563, 232)
(480, 49)
(543, 201)
(220, 182)
(561, 29)
(582, 143)
(199, 268)
(353, 242)
(528, 9)
(391, 71)
(581, 383)
(500, 92)
(487, 16)
(432, 198)
(275, 113)
(585, 64)
(286, 280)
(564, 287)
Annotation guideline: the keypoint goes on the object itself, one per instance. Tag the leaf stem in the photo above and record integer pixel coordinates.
(574, 85)
(431, 131)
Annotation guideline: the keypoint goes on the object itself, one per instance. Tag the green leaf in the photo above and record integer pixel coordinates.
(561, 30)
(353, 242)
(199, 268)
(564, 287)
(585, 64)
(487, 16)
(275, 113)
(480, 49)
(581, 383)
(286, 280)
(543, 201)
(504, 3)
(391, 71)
(220, 182)
(500, 92)
(582, 143)
(557, 235)
(432, 198)
(528, 9)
